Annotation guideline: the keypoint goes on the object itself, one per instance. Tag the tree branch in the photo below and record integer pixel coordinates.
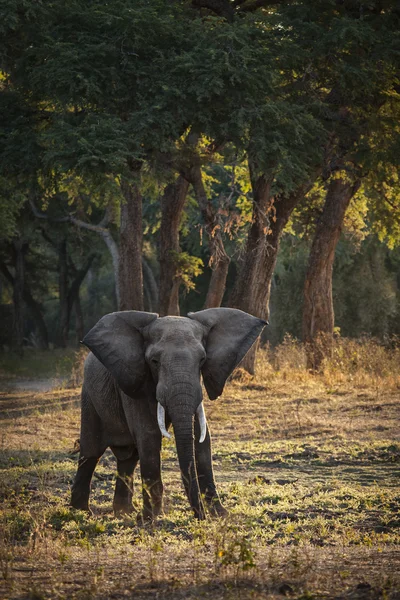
(100, 228)
(394, 206)
(79, 277)
(254, 4)
(41, 215)
(6, 272)
(222, 8)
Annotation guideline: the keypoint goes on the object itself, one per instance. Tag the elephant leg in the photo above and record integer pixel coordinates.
(81, 486)
(205, 473)
(152, 486)
(92, 449)
(127, 459)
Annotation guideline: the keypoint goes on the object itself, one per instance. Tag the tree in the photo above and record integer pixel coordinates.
(172, 204)
(318, 315)
(362, 82)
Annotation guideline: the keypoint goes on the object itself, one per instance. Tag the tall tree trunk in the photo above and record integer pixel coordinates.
(113, 249)
(219, 263)
(63, 324)
(73, 299)
(130, 274)
(244, 294)
(18, 296)
(150, 287)
(33, 307)
(172, 204)
(219, 260)
(79, 323)
(36, 312)
(252, 288)
(318, 315)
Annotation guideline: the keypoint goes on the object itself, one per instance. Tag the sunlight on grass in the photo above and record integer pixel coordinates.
(307, 465)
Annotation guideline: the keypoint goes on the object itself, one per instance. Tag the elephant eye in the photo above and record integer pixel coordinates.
(154, 362)
(202, 361)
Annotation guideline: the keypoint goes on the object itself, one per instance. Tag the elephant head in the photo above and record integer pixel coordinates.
(175, 351)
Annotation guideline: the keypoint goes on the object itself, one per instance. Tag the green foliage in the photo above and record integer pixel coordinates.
(188, 268)
(11, 202)
(366, 290)
(299, 88)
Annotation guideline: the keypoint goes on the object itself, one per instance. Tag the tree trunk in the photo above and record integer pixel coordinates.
(73, 295)
(33, 307)
(219, 260)
(130, 274)
(150, 288)
(113, 249)
(36, 312)
(172, 204)
(259, 254)
(79, 323)
(318, 315)
(18, 296)
(219, 264)
(253, 285)
(63, 324)
(250, 276)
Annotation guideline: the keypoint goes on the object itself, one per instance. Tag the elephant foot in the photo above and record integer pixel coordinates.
(122, 509)
(80, 502)
(216, 509)
(84, 507)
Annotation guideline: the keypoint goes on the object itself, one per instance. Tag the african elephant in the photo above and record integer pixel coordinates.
(143, 373)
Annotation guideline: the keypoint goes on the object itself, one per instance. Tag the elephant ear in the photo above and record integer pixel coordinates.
(231, 334)
(117, 342)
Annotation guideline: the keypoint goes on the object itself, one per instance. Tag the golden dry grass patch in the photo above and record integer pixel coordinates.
(308, 466)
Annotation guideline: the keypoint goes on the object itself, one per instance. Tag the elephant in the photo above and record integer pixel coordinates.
(144, 373)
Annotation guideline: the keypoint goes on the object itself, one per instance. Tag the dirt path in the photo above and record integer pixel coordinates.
(33, 385)
(26, 396)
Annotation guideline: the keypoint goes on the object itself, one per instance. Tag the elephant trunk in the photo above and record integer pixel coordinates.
(182, 399)
(184, 438)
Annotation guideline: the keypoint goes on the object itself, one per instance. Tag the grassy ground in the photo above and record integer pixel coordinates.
(308, 466)
(59, 363)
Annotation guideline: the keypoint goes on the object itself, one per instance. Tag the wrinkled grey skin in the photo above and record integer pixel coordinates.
(137, 361)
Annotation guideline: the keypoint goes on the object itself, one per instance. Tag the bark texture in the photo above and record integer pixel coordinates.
(130, 274)
(219, 260)
(318, 313)
(250, 278)
(252, 288)
(150, 288)
(172, 204)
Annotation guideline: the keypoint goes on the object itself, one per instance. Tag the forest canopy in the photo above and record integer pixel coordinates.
(170, 156)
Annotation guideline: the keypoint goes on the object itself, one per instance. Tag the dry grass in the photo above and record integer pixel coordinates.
(308, 466)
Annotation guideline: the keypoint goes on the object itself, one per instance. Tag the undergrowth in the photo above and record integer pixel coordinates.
(307, 465)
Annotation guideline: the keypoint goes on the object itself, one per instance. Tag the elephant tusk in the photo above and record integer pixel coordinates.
(201, 415)
(161, 420)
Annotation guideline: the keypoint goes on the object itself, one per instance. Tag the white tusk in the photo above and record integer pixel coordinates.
(161, 420)
(201, 415)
